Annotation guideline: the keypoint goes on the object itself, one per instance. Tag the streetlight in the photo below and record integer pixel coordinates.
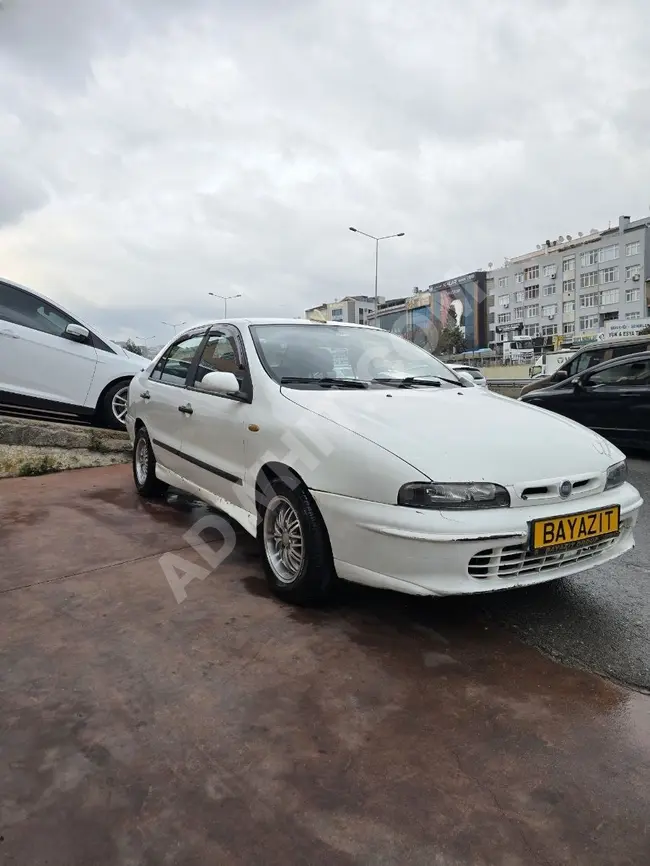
(225, 299)
(145, 340)
(376, 240)
(174, 326)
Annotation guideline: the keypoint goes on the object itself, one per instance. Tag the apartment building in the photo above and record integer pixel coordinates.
(352, 308)
(571, 288)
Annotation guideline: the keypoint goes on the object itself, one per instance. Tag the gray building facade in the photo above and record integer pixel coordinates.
(569, 289)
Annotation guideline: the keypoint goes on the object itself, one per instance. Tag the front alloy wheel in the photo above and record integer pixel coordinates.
(294, 543)
(120, 404)
(283, 540)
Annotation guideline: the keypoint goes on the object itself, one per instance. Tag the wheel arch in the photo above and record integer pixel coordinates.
(275, 470)
(125, 379)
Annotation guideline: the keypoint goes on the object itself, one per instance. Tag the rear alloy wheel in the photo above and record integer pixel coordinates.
(147, 483)
(115, 404)
(295, 546)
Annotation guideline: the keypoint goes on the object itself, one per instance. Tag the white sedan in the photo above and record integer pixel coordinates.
(397, 474)
(468, 372)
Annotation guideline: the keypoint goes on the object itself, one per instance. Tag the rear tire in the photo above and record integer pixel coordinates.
(144, 467)
(114, 405)
(294, 544)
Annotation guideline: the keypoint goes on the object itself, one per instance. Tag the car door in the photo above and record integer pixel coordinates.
(39, 363)
(215, 433)
(165, 398)
(617, 400)
(564, 399)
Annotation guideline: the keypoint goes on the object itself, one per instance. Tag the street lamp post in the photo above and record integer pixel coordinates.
(174, 326)
(225, 299)
(376, 240)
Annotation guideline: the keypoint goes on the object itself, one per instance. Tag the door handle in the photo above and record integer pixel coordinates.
(145, 395)
(186, 410)
(10, 334)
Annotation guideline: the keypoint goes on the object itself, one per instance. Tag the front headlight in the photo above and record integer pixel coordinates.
(616, 475)
(442, 496)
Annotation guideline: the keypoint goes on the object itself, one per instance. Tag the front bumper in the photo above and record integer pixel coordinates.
(452, 553)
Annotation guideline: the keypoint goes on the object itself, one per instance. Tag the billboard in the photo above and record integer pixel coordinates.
(466, 296)
(627, 328)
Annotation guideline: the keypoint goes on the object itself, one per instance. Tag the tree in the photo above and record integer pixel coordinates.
(451, 340)
(131, 346)
(645, 331)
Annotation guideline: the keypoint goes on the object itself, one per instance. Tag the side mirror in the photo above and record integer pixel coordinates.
(77, 332)
(219, 383)
(560, 375)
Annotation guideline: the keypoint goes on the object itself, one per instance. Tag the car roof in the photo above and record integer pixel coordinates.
(616, 341)
(268, 320)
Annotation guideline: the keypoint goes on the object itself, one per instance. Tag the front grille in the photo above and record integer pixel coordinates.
(517, 560)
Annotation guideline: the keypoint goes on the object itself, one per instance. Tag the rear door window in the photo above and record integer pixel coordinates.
(634, 374)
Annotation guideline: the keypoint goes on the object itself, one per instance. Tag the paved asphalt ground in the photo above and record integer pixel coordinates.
(599, 620)
(234, 730)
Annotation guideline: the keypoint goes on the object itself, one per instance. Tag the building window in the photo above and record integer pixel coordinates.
(568, 328)
(609, 275)
(569, 286)
(504, 300)
(519, 296)
(532, 312)
(588, 322)
(519, 313)
(590, 300)
(632, 271)
(503, 282)
(588, 279)
(568, 264)
(531, 273)
(337, 315)
(549, 270)
(609, 297)
(569, 307)
(549, 330)
(549, 290)
(632, 295)
(608, 254)
(503, 318)
(630, 316)
(519, 278)
(549, 310)
(633, 249)
(531, 293)
(589, 258)
(491, 319)
(531, 330)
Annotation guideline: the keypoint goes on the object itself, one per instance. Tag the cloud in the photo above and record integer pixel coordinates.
(155, 151)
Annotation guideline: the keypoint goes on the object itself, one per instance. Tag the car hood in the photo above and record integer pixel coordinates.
(464, 434)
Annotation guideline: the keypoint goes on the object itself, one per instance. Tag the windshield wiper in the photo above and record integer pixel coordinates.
(325, 382)
(407, 382)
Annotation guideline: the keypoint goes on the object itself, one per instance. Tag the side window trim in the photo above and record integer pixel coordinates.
(162, 361)
(245, 394)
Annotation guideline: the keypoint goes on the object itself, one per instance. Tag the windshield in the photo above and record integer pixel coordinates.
(346, 353)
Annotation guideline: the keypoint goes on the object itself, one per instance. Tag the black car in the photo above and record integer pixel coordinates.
(613, 398)
(588, 356)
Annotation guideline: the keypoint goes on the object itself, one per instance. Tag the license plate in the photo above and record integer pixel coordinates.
(574, 530)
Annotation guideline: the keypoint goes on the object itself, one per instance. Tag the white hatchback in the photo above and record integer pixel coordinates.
(398, 474)
(50, 360)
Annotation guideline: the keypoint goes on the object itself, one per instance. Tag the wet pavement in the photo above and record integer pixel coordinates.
(233, 729)
(599, 620)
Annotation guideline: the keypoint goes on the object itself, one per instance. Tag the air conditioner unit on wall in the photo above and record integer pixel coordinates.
(636, 278)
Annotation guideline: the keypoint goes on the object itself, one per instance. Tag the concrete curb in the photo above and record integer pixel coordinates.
(48, 434)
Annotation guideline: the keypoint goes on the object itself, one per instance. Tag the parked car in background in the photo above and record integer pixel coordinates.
(50, 360)
(399, 475)
(612, 398)
(473, 374)
(590, 355)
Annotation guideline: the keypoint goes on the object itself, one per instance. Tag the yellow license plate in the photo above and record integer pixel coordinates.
(575, 529)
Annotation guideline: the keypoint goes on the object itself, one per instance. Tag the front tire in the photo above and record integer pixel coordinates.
(114, 406)
(295, 547)
(144, 467)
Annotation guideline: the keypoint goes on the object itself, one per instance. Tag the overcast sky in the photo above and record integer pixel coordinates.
(152, 151)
